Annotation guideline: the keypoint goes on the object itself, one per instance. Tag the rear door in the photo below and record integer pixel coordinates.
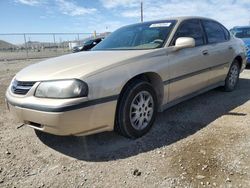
(188, 67)
(220, 50)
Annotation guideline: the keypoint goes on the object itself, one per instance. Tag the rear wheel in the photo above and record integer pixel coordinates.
(232, 76)
(136, 110)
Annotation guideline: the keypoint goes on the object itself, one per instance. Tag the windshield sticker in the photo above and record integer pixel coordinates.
(160, 25)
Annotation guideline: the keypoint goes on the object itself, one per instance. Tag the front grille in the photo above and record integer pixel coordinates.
(21, 88)
(248, 51)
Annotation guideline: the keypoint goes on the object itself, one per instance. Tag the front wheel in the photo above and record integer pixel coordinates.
(136, 110)
(232, 76)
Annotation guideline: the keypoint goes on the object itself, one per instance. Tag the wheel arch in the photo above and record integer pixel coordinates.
(151, 77)
(240, 60)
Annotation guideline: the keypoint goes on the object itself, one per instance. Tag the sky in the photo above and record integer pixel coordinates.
(86, 16)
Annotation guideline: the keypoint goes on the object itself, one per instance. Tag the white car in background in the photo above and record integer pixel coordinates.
(126, 79)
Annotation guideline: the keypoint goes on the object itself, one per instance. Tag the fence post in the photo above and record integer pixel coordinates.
(54, 38)
(78, 37)
(25, 44)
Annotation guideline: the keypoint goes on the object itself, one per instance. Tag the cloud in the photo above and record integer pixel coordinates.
(29, 2)
(120, 3)
(229, 12)
(72, 9)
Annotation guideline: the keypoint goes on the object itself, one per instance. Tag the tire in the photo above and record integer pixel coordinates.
(232, 76)
(135, 116)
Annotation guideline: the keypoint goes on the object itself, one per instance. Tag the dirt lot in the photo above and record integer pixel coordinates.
(203, 142)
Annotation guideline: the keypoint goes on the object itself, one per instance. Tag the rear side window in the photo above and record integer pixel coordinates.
(215, 32)
(191, 28)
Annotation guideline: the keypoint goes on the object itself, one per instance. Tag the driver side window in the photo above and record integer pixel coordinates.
(190, 28)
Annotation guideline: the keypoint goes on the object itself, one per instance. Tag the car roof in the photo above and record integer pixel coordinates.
(180, 19)
(240, 27)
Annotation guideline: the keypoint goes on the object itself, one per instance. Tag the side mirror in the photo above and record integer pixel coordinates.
(184, 42)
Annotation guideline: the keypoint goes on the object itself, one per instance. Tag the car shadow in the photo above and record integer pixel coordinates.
(171, 126)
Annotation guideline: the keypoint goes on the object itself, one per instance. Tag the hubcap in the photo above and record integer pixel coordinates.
(141, 110)
(233, 75)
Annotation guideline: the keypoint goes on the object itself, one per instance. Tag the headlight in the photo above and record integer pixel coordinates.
(62, 89)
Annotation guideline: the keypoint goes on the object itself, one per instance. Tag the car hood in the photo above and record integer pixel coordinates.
(77, 65)
(246, 41)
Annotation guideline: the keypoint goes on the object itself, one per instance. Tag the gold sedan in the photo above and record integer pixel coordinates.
(126, 79)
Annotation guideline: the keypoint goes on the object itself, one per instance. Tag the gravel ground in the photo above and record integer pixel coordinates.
(22, 55)
(203, 142)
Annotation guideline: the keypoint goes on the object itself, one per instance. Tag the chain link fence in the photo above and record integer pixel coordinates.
(18, 46)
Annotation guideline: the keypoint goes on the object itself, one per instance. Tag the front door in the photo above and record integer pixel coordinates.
(188, 68)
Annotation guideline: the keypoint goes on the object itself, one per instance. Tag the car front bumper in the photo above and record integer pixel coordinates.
(87, 120)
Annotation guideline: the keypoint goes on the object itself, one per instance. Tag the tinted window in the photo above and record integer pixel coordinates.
(242, 32)
(191, 28)
(88, 42)
(226, 33)
(214, 31)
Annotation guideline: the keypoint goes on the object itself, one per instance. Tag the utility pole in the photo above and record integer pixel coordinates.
(141, 11)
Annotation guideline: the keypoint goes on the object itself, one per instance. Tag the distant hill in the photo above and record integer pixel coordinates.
(6, 45)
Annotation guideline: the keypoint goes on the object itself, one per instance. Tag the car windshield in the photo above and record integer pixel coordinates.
(142, 36)
(88, 42)
(242, 32)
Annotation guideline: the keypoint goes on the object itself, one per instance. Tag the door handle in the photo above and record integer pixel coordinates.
(230, 47)
(205, 52)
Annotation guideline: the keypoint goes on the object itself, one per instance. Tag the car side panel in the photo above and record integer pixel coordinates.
(189, 72)
(221, 56)
(184, 72)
